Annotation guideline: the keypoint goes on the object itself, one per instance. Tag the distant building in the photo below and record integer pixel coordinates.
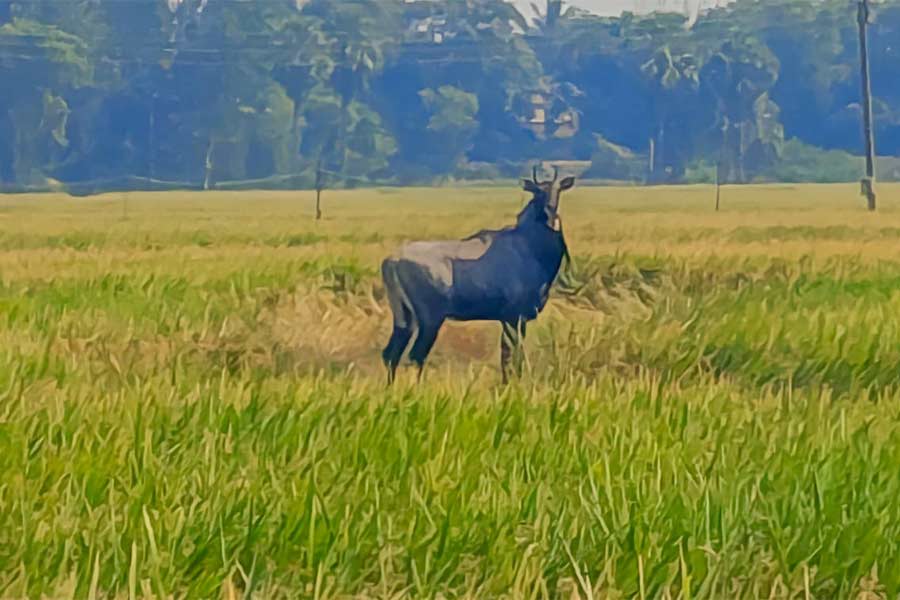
(536, 117)
(546, 118)
(431, 29)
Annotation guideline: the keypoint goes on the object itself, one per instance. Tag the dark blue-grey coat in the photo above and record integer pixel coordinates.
(503, 275)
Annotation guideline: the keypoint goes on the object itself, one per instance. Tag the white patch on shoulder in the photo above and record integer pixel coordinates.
(437, 257)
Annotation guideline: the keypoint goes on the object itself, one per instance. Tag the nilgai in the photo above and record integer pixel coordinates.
(500, 276)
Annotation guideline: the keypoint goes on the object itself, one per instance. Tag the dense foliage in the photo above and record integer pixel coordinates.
(211, 91)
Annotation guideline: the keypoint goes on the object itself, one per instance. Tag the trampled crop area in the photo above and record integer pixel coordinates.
(192, 402)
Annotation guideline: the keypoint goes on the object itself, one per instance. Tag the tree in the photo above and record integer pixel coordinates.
(740, 76)
(674, 81)
(451, 127)
(203, 91)
(46, 64)
(359, 36)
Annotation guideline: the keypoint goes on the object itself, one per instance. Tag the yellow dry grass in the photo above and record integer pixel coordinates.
(192, 402)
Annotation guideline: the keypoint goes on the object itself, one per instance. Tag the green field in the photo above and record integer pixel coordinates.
(192, 403)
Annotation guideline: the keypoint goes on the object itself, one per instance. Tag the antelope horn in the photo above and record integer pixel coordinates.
(534, 173)
(555, 174)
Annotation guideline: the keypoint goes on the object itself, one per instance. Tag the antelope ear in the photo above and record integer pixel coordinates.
(529, 186)
(566, 184)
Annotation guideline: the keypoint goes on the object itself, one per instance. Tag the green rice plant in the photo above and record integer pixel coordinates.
(192, 403)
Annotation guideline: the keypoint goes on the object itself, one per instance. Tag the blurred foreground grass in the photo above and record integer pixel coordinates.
(192, 404)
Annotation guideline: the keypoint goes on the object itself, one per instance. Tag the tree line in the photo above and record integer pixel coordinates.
(212, 91)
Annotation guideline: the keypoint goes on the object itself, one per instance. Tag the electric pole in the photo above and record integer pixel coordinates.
(320, 183)
(868, 182)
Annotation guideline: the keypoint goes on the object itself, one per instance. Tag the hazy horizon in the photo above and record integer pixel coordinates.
(617, 7)
(610, 7)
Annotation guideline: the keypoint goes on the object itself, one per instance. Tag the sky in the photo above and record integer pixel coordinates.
(615, 7)
(612, 7)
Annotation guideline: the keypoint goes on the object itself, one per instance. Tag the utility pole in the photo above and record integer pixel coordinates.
(719, 160)
(868, 182)
(320, 180)
(152, 156)
(718, 186)
(208, 164)
(554, 12)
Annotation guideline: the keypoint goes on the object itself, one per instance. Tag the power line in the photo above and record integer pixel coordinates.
(400, 58)
(120, 61)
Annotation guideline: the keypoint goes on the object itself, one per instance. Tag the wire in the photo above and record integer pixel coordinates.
(174, 53)
(345, 177)
(76, 186)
